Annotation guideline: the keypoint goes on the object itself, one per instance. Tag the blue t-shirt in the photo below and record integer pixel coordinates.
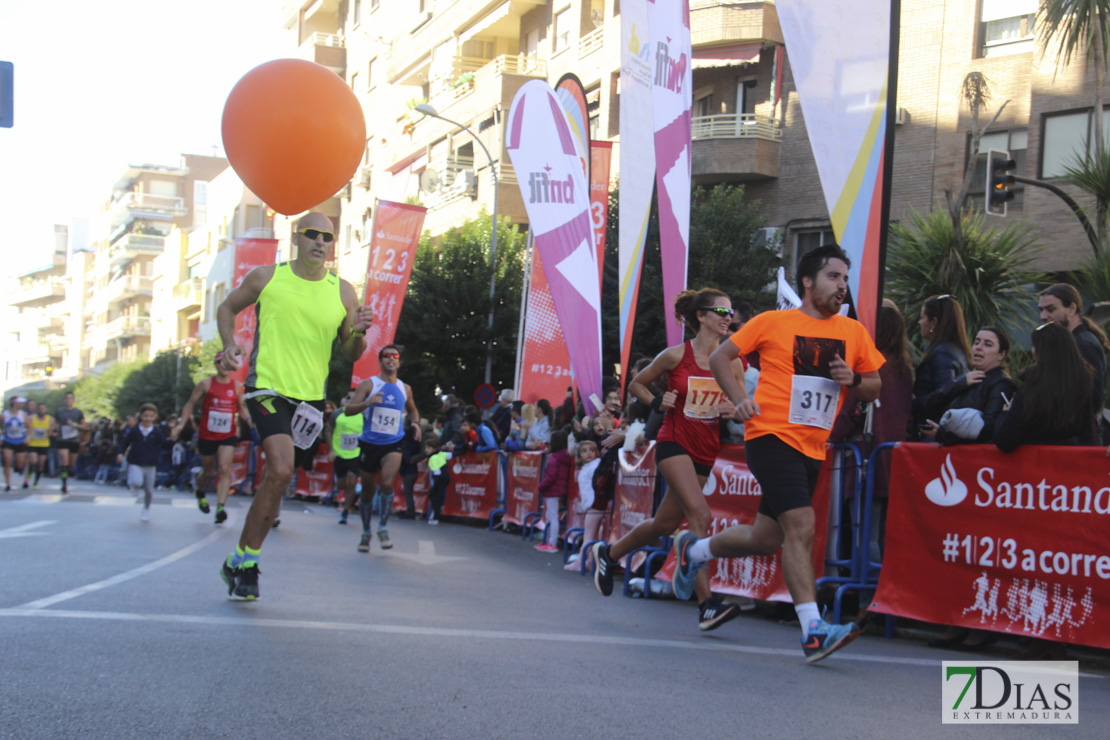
(383, 423)
(15, 428)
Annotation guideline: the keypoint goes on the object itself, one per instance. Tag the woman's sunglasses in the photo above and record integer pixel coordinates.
(722, 311)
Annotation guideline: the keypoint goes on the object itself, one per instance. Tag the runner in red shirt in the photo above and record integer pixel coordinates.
(807, 357)
(687, 444)
(218, 433)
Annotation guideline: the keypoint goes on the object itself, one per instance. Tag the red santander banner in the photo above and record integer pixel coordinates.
(249, 254)
(733, 496)
(1012, 543)
(318, 481)
(419, 490)
(634, 497)
(394, 237)
(522, 486)
(472, 491)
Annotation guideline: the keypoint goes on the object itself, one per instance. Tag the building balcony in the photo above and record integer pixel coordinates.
(188, 295)
(735, 147)
(591, 42)
(132, 246)
(134, 205)
(38, 292)
(714, 22)
(127, 326)
(327, 50)
(454, 178)
(484, 82)
(128, 286)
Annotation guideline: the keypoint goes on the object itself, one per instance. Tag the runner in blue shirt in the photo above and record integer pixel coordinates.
(384, 401)
(14, 442)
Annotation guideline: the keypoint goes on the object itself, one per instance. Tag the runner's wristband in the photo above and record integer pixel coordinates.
(656, 403)
(856, 380)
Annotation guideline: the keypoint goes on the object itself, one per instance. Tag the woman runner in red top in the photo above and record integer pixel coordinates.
(218, 433)
(687, 444)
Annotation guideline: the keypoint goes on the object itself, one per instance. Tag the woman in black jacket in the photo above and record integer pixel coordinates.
(985, 390)
(945, 358)
(1053, 407)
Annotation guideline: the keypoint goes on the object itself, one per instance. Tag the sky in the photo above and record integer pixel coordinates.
(100, 85)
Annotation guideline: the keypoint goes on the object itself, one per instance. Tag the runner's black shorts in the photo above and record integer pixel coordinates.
(370, 461)
(208, 447)
(274, 415)
(13, 447)
(345, 466)
(71, 445)
(668, 448)
(786, 476)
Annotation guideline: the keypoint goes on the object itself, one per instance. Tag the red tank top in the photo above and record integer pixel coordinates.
(217, 413)
(696, 428)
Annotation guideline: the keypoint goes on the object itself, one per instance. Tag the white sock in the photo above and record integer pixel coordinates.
(807, 613)
(699, 551)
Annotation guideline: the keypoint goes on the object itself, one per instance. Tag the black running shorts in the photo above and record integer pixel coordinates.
(787, 477)
(370, 461)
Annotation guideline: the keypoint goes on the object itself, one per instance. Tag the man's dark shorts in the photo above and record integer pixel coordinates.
(370, 461)
(71, 445)
(786, 476)
(207, 447)
(274, 415)
(345, 466)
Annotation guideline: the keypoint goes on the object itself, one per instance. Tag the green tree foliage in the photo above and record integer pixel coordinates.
(166, 381)
(205, 362)
(989, 276)
(727, 252)
(96, 395)
(443, 325)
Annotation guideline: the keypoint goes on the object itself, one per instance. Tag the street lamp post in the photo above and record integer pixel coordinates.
(429, 111)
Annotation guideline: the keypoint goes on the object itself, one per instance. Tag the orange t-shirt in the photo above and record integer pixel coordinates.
(797, 397)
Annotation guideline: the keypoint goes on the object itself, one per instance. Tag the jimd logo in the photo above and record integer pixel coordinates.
(1010, 693)
(543, 189)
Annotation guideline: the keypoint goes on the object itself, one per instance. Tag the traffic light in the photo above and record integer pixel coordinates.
(49, 369)
(999, 181)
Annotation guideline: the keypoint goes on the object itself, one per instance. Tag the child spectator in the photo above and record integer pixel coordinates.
(439, 476)
(556, 481)
(485, 439)
(143, 445)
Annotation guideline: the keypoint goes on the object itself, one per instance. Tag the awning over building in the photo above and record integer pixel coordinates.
(726, 56)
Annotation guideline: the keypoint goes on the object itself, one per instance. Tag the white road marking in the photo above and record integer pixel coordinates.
(24, 530)
(455, 633)
(122, 577)
(425, 554)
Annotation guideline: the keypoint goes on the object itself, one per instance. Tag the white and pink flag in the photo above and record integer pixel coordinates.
(671, 97)
(556, 196)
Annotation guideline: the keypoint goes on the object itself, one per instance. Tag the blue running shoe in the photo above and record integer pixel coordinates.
(685, 572)
(825, 639)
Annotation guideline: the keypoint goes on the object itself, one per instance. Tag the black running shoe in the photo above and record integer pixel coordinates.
(246, 588)
(275, 524)
(228, 574)
(383, 539)
(603, 569)
(202, 502)
(364, 543)
(714, 612)
(221, 515)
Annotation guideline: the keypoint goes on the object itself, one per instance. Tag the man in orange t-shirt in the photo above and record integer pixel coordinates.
(807, 357)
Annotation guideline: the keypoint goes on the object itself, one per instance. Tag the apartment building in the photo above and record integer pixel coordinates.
(147, 203)
(36, 346)
(467, 59)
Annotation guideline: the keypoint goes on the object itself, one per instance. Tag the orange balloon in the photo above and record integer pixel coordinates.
(294, 133)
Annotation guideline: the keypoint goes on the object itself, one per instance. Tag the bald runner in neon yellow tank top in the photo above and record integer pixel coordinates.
(297, 319)
(302, 309)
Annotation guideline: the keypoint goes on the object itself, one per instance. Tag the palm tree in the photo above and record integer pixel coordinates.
(989, 275)
(1071, 26)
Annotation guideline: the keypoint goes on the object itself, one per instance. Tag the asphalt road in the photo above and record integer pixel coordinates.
(114, 628)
